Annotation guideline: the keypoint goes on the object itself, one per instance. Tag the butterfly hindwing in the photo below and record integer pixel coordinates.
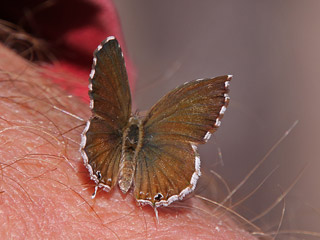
(102, 152)
(111, 107)
(165, 172)
(168, 164)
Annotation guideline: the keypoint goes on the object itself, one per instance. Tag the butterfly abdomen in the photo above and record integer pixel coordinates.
(131, 145)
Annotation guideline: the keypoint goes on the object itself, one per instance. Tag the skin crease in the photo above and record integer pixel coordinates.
(45, 190)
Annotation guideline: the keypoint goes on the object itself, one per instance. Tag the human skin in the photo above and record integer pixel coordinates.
(45, 190)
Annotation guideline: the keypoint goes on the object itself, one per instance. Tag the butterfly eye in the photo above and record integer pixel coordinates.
(99, 175)
(158, 197)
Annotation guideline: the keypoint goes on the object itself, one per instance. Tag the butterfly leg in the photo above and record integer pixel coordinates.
(156, 213)
(95, 191)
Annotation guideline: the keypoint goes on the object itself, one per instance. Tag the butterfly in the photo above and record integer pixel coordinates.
(154, 156)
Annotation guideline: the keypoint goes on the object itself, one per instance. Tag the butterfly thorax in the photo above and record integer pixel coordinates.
(131, 145)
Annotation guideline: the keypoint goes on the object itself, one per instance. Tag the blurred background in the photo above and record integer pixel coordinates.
(273, 50)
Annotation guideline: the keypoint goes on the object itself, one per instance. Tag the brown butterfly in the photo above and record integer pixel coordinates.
(155, 156)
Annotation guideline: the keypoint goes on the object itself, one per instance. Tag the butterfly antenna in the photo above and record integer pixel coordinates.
(219, 152)
(95, 192)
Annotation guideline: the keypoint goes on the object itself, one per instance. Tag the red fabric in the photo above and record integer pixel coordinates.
(89, 24)
(73, 29)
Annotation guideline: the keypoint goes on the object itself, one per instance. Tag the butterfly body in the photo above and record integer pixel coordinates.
(155, 156)
(131, 145)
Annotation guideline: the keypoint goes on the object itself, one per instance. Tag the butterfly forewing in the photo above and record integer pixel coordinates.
(110, 90)
(168, 164)
(111, 107)
(190, 111)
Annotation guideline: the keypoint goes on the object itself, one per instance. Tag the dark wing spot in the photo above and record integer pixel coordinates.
(158, 197)
(99, 175)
